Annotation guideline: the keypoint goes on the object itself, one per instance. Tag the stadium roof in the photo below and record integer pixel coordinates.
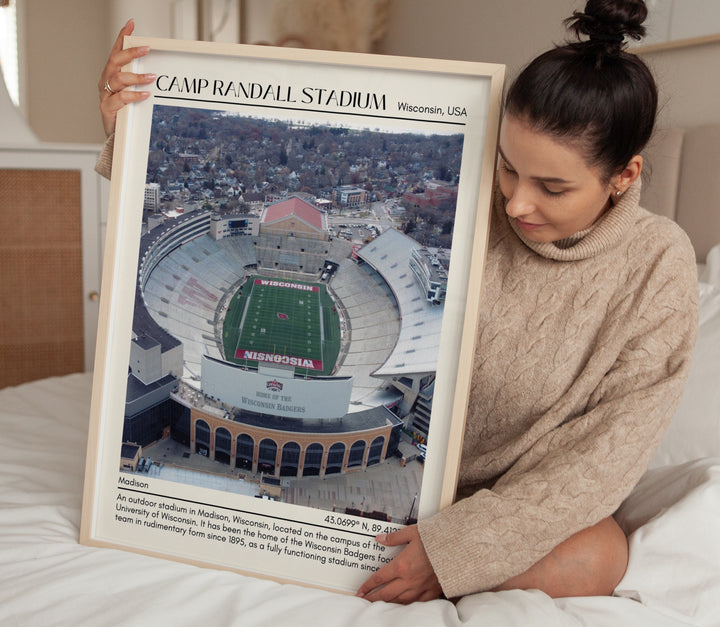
(298, 207)
(367, 419)
(128, 450)
(416, 350)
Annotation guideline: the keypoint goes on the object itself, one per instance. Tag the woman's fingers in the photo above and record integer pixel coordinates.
(121, 80)
(408, 577)
(113, 83)
(117, 79)
(110, 106)
(112, 79)
(117, 101)
(117, 54)
(396, 538)
(125, 31)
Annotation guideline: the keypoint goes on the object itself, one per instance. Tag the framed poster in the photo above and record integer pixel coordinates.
(291, 283)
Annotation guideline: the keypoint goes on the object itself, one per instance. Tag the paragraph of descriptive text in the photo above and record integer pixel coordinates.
(250, 531)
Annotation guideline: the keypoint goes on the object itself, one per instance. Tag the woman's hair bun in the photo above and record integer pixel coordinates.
(609, 22)
(592, 93)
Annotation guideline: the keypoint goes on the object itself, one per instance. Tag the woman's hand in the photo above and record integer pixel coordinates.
(408, 577)
(112, 83)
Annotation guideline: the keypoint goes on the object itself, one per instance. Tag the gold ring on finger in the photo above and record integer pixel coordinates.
(109, 89)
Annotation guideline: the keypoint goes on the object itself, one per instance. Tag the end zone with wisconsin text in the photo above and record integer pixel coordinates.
(284, 360)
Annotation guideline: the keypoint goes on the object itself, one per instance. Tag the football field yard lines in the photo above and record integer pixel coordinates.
(280, 318)
(283, 318)
(244, 314)
(322, 329)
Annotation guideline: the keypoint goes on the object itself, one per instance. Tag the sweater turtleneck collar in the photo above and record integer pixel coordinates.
(602, 236)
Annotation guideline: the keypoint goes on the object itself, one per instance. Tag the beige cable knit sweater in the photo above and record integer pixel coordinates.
(104, 163)
(583, 349)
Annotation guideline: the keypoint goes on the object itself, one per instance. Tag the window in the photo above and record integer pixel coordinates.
(357, 451)
(9, 49)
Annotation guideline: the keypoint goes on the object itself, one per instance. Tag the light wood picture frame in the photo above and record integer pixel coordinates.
(254, 173)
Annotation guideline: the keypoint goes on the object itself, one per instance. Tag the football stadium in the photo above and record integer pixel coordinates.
(268, 345)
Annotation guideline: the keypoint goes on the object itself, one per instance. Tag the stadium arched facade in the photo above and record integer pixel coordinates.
(265, 444)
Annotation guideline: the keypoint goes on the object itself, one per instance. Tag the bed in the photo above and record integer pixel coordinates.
(672, 517)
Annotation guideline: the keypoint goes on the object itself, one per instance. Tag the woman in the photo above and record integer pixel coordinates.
(587, 324)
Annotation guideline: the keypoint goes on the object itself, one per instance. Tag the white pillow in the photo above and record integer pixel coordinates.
(709, 272)
(695, 429)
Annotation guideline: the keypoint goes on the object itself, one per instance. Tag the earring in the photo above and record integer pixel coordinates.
(618, 193)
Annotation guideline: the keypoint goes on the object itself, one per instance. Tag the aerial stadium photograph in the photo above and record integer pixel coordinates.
(289, 299)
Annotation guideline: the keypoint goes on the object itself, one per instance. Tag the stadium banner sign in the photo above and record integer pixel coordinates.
(268, 399)
(274, 394)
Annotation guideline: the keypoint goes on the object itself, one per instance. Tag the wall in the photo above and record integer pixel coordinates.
(68, 42)
(65, 49)
(689, 91)
(152, 18)
(514, 31)
(672, 20)
(510, 32)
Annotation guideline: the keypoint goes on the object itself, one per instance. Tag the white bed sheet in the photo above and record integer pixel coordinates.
(47, 578)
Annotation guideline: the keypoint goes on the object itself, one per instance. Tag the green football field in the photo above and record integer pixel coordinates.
(282, 322)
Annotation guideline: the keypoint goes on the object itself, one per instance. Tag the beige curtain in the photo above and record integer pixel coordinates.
(348, 25)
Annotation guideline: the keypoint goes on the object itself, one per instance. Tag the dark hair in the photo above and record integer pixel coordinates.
(592, 91)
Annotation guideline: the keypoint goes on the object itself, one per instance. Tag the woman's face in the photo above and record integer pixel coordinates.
(551, 193)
